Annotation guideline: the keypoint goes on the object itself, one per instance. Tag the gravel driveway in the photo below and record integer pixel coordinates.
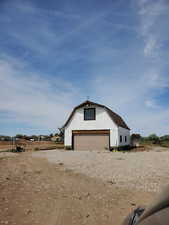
(148, 171)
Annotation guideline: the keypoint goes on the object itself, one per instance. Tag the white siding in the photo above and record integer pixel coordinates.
(123, 132)
(103, 121)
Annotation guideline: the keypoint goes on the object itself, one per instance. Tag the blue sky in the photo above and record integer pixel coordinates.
(53, 54)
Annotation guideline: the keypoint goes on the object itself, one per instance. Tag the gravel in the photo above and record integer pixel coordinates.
(148, 171)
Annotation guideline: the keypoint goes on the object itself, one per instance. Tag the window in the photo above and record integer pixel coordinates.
(120, 138)
(90, 114)
(125, 138)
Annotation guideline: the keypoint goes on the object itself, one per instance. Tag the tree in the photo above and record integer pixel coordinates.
(5, 138)
(135, 137)
(61, 133)
(164, 138)
(154, 138)
(19, 136)
(51, 135)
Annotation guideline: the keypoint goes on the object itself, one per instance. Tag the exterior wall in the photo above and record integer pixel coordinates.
(123, 132)
(103, 121)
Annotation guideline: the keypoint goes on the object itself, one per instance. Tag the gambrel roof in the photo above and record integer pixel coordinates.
(114, 116)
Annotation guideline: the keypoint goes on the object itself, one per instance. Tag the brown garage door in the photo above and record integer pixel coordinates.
(91, 141)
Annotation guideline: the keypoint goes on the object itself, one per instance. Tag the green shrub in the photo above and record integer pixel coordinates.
(18, 149)
(120, 148)
(164, 144)
(68, 147)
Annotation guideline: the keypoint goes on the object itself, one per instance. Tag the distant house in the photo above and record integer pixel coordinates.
(56, 138)
(32, 139)
(92, 126)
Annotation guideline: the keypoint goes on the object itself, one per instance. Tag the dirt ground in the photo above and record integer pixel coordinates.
(29, 145)
(36, 192)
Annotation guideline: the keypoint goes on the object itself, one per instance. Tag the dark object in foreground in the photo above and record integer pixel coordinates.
(134, 216)
(156, 214)
(18, 149)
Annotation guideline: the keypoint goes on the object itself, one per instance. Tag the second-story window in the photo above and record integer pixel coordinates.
(90, 114)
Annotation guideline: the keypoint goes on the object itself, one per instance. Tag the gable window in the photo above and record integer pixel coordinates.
(120, 138)
(90, 114)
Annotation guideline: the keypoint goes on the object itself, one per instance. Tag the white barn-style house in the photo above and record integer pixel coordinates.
(92, 126)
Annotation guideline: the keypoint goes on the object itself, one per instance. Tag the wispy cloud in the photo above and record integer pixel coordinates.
(40, 33)
(151, 103)
(153, 18)
(30, 98)
(135, 99)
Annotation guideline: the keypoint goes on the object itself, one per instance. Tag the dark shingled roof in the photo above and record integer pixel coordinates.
(115, 117)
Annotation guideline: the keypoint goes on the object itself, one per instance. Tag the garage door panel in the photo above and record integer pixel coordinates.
(91, 142)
